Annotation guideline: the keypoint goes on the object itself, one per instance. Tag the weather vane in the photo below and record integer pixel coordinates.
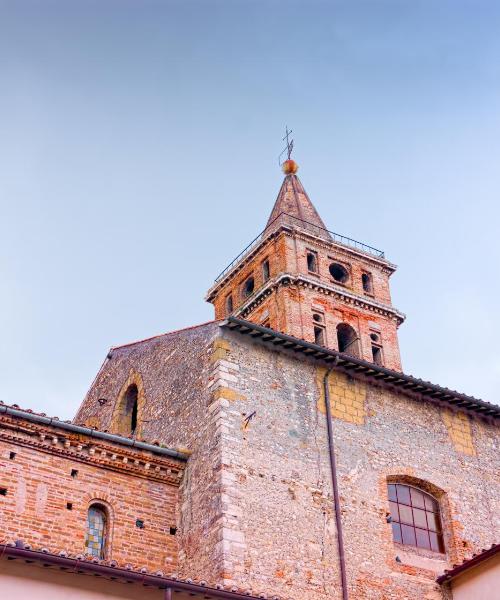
(289, 145)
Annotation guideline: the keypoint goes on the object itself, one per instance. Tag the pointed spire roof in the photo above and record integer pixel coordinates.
(294, 208)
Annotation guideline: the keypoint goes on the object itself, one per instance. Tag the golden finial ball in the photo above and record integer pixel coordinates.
(289, 167)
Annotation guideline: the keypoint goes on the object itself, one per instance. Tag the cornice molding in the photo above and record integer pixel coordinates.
(77, 447)
(329, 290)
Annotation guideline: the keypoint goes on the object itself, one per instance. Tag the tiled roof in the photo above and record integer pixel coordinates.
(127, 573)
(418, 388)
(469, 563)
(42, 418)
(293, 201)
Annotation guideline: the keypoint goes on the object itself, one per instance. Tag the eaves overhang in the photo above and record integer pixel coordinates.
(109, 570)
(90, 432)
(468, 564)
(372, 373)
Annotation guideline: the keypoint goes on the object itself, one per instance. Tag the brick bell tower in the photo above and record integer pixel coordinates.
(300, 279)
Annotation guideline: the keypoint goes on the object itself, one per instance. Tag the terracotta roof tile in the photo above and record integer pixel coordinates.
(469, 563)
(18, 549)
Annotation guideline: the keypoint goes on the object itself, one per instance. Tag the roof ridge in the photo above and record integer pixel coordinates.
(16, 411)
(153, 337)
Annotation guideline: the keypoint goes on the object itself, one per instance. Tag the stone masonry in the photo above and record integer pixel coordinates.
(256, 507)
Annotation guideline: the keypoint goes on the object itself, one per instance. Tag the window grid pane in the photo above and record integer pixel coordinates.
(415, 517)
(96, 526)
(391, 488)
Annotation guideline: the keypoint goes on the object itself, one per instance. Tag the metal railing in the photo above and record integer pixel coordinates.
(285, 218)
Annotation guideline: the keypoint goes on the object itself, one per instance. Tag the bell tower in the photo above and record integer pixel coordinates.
(300, 279)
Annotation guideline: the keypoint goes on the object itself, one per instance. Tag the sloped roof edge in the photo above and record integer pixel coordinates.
(468, 564)
(357, 366)
(81, 564)
(91, 432)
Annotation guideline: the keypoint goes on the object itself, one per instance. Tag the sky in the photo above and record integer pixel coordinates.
(139, 145)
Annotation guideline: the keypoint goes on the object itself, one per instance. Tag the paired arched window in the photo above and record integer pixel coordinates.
(415, 517)
(95, 538)
(347, 339)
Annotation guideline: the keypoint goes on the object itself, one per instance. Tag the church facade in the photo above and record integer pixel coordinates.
(278, 451)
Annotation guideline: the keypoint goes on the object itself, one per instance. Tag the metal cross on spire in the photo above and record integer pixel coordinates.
(289, 145)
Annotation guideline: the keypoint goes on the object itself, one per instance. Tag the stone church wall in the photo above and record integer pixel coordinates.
(256, 507)
(176, 371)
(278, 479)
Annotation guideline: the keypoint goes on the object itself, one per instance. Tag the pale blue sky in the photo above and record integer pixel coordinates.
(138, 155)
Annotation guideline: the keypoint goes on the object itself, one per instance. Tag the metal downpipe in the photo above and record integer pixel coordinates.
(336, 500)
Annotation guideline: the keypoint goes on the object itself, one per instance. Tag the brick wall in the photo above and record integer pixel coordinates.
(288, 306)
(36, 471)
(273, 251)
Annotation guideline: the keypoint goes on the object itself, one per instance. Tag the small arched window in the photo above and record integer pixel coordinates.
(95, 538)
(415, 517)
(130, 408)
(347, 339)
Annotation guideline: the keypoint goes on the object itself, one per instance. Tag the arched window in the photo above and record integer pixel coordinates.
(130, 408)
(415, 517)
(319, 328)
(347, 339)
(95, 538)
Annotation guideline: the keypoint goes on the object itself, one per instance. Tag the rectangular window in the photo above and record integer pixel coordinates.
(377, 355)
(265, 270)
(229, 304)
(319, 335)
(367, 282)
(312, 261)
